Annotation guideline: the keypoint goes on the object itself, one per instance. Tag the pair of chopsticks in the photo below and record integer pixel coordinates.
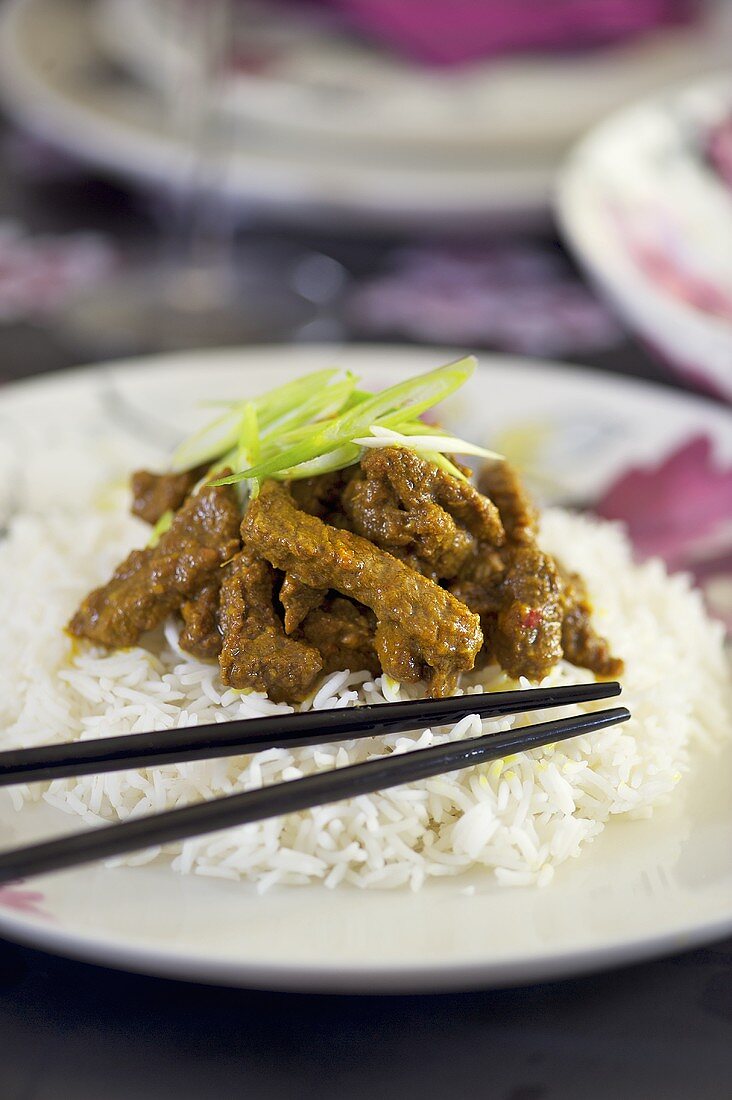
(252, 735)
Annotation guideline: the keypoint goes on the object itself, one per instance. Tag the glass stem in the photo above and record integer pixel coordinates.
(198, 252)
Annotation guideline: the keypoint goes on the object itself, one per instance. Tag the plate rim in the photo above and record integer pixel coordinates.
(358, 980)
(444, 353)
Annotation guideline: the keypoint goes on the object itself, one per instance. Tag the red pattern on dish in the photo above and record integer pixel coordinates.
(680, 510)
(669, 508)
(719, 150)
(23, 901)
(669, 273)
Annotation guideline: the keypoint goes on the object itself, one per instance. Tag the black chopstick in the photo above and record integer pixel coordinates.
(297, 794)
(247, 735)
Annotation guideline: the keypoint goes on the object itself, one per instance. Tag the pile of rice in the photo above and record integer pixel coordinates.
(517, 818)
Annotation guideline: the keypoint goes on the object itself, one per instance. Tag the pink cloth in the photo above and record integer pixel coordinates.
(453, 32)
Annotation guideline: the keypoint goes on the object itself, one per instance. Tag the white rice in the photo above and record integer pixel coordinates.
(517, 818)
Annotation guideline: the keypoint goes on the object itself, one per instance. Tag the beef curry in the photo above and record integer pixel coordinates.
(392, 564)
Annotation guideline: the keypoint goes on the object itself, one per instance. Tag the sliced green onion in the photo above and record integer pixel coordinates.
(416, 395)
(222, 434)
(164, 524)
(209, 442)
(416, 427)
(443, 444)
(249, 448)
(444, 464)
(325, 403)
(321, 422)
(276, 402)
(339, 459)
(412, 397)
(356, 398)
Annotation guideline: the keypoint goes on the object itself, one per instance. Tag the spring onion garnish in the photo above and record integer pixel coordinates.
(322, 422)
(295, 402)
(445, 444)
(250, 443)
(163, 525)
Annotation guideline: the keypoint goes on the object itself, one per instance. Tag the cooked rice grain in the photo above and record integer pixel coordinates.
(517, 818)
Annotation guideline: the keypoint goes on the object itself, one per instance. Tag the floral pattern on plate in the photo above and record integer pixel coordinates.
(650, 218)
(680, 509)
(23, 901)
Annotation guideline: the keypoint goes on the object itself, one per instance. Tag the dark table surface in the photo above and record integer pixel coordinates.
(71, 1030)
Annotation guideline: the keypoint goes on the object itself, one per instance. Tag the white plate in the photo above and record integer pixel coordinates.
(644, 888)
(56, 80)
(312, 76)
(636, 190)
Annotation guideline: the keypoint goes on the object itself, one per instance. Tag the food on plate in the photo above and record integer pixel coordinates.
(388, 559)
(319, 546)
(181, 568)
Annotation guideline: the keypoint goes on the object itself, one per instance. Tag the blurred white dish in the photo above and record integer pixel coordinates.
(305, 73)
(652, 222)
(55, 79)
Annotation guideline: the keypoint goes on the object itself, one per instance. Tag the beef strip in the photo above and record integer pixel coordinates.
(152, 583)
(500, 482)
(527, 635)
(415, 510)
(322, 496)
(531, 613)
(318, 496)
(516, 589)
(200, 634)
(479, 583)
(422, 628)
(580, 642)
(155, 494)
(298, 600)
(256, 652)
(517, 593)
(343, 633)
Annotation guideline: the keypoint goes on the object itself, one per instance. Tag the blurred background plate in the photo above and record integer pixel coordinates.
(303, 69)
(645, 202)
(57, 81)
(317, 125)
